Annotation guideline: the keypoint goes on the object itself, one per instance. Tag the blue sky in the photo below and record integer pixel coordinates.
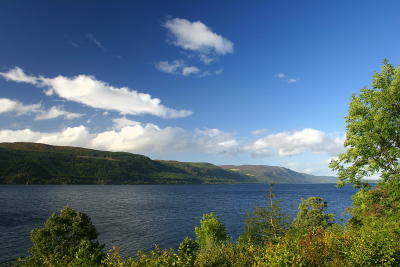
(228, 82)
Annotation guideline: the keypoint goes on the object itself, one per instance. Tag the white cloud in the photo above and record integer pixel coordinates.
(75, 136)
(177, 67)
(132, 137)
(285, 78)
(18, 75)
(122, 122)
(12, 106)
(87, 90)
(295, 143)
(8, 106)
(170, 67)
(190, 70)
(55, 112)
(196, 36)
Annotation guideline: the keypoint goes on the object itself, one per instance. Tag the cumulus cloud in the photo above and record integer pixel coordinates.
(74, 136)
(286, 78)
(144, 138)
(94, 93)
(196, 36)
(176, 67)
(18, 75)
(119, 123)
(55, 112)
(295, 143)
(13, 106)
(133, 137)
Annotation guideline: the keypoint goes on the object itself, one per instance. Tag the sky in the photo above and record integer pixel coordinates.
(225, 82)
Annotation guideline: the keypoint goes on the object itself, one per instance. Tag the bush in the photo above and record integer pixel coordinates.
(211, 230)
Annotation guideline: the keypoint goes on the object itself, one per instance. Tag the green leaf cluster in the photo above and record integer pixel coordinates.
(373, 131)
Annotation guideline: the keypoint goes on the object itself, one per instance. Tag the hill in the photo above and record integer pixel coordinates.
(33, 163)
(280, 175)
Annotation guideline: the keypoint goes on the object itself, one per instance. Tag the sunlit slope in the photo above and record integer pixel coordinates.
(280, 175)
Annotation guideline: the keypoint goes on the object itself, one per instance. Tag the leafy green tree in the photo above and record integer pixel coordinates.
(66, 239)
(312, 215)
(210, 230)
(373, 131)
(265, 224)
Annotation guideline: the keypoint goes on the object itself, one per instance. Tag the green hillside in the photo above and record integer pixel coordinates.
(279, 175)
(32, 163)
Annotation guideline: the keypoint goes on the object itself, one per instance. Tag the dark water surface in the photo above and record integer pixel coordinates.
(135, 217)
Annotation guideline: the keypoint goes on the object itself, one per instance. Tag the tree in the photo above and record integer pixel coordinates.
(373, 131)
(66, 238)
(210, 230)
(312, 215)
(265, 224)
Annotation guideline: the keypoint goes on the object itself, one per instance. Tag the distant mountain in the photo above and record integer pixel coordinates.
(280, 175)
(33, 163)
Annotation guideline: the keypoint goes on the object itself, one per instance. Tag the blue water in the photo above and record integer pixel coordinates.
(135, 217)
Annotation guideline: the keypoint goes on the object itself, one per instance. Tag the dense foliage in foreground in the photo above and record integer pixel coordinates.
(370, 238)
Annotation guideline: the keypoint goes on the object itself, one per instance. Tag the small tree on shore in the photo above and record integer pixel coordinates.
(312, 215)
(210, 230)
(265, 224)
(66, 238)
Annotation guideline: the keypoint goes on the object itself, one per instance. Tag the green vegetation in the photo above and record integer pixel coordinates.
(373, 131)
(278, 175)
(31, 163)
(265, 224)
(66, 239)
(370, 238)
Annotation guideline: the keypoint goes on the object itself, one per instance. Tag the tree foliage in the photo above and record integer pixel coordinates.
(64, 238)
(373, 131)
(312, 215)
(211, 230)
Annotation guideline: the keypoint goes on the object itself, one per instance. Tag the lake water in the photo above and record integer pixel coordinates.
(135, 217)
